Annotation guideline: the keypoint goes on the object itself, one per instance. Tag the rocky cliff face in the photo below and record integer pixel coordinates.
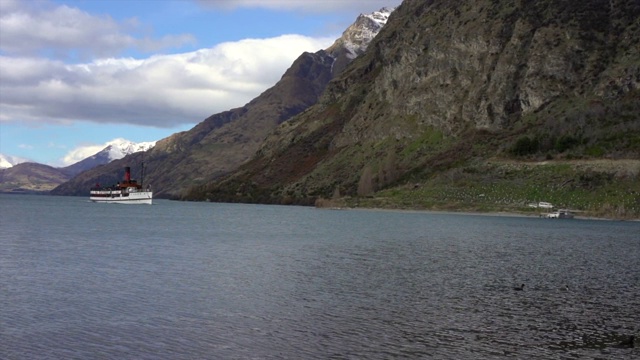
(487, 64)
(222, 142)
(447, 81)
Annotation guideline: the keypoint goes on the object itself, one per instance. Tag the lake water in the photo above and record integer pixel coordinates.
(180, 280)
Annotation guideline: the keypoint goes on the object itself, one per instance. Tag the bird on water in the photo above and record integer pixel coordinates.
(629, 342)
(519, 288)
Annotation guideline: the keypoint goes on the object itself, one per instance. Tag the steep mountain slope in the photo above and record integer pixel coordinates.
(449, 85)
(222, 142)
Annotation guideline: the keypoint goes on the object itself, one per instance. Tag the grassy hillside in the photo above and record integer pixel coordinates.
(598, 188)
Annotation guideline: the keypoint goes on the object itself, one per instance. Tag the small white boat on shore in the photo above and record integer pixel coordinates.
(125, 192)
(560, 214)
(541, 204)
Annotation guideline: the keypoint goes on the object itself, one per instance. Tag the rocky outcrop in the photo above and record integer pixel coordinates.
(487, 64)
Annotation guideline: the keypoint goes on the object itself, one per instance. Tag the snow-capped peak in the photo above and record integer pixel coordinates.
(380, 17)
(357, 37)
(119, 148)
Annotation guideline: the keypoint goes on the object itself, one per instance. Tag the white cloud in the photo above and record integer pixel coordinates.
(162, 91)
(82, 152)
(7, 161)
(39, 27)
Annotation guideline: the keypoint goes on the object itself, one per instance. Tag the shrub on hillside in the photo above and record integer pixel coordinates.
(525, 146)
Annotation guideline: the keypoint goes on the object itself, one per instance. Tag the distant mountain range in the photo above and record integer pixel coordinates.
(21, 175)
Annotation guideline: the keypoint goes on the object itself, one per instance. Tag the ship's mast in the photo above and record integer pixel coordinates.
(142, 172)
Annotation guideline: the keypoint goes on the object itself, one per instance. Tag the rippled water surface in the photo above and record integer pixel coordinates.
(217, 281)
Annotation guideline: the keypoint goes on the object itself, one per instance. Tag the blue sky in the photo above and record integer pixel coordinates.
(76, 74)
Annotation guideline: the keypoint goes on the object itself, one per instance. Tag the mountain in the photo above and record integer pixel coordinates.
(119, 148)
(116, 149)
(222, 142)
(458, 102)
(34, 177)
(356, 39)
(31, 177)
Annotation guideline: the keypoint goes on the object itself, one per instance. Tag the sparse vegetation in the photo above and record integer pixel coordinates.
(591, 188)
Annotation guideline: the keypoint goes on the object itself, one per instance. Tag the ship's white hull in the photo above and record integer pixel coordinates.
(121, 197)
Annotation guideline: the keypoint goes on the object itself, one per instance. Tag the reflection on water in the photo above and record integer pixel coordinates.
(191, 280)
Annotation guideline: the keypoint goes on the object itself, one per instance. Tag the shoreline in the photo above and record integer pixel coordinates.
(473, 213)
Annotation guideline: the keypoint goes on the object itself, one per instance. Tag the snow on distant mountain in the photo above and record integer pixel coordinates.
(119, 148)
(115, 149)
(7, 161)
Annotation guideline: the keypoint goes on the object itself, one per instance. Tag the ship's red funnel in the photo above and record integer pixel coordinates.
(127, 174)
